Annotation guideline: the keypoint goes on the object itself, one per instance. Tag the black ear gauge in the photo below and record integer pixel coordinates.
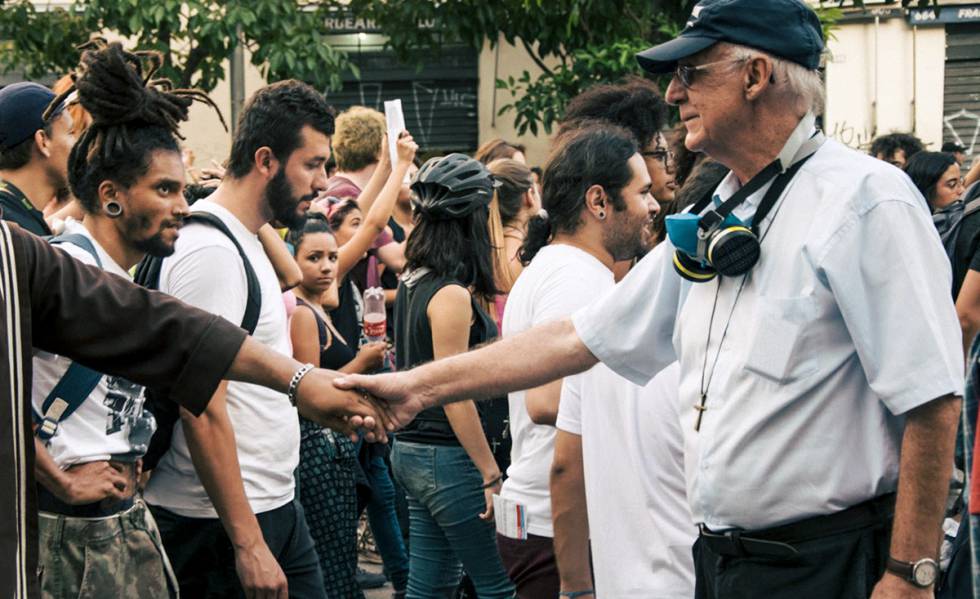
(691, 270)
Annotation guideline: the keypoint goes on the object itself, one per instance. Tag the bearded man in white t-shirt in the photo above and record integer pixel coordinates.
(628, 451)
(598, 209)
(224, 493)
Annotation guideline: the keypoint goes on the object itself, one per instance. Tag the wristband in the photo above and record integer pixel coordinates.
(576, 594)
(294, 382)
(493, 483)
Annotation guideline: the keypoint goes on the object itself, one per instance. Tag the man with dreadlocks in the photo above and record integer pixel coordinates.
(127, 173)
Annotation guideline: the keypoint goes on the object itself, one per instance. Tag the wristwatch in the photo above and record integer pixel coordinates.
(922, 573)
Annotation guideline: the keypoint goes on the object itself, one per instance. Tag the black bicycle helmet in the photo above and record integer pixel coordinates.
(452, 186)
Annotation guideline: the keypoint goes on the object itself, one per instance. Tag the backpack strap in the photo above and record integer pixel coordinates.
(79, 381)
(78, 240)
(148, 270)
(253, 305)
(971, 206)
(67, 396)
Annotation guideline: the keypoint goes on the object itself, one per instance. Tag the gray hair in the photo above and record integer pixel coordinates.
(792, 79)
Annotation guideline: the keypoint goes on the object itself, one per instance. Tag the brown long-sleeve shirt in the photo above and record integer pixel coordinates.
(52, 302)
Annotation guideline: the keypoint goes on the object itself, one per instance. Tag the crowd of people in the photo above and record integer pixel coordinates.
(719, 359)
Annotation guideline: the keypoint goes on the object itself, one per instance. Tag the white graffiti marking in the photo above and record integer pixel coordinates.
(967, 115)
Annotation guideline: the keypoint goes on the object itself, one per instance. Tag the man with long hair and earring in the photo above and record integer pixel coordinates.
(92, 429)
(597, 207)
(808, 303)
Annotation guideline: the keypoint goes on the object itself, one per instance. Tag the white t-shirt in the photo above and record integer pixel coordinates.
(207, 272)
(100, 428)
(845, 324)
(640, 524)
(560, 280)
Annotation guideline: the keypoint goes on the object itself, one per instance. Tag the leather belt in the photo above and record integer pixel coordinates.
(777, 542)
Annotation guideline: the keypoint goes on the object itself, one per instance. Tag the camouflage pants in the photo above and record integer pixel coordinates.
(119, 557)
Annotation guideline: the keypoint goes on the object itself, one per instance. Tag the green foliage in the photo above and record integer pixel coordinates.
(194, 36)
(40, 43)
(574, 43)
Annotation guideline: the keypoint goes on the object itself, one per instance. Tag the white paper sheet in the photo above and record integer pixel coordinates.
(395, 119)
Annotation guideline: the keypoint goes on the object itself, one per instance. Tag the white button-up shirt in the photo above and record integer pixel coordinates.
(844, 325)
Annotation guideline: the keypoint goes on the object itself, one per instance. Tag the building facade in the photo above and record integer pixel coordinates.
(917, 70)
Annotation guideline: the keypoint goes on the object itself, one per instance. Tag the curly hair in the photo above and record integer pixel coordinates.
(357, 140)
(635, 105)
(885, 146)
(132, 115)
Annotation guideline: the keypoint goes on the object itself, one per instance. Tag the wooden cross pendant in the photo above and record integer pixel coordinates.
(700, 407)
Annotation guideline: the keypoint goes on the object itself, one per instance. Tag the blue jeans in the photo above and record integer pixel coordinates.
(445, 500)
(384, 523)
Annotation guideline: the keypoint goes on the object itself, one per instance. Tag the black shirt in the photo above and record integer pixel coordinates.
(17, 208)
(966, 253)
(413, 346)
(344, 316)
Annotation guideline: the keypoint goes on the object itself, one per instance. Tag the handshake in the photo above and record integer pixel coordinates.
(359, 405)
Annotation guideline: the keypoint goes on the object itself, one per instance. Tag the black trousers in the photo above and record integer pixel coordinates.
(839, 566)
(204, 560)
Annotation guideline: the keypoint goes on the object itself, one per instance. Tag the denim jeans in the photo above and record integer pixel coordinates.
(445, 500)
(384, 523)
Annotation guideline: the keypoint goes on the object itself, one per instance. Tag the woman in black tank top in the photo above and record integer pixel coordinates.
(327, 468)
(442, 458)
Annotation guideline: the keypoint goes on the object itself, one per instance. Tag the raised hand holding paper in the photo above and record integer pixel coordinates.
(395, 119)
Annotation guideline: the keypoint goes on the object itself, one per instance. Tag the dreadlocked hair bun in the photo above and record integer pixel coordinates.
(133, 114)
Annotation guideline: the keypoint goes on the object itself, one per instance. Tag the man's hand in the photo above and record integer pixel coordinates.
(92, 482)
(893, 587)
(348, 412)
(396, 393)
(259, 572)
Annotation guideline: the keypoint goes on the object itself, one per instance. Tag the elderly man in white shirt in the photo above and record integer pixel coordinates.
(815, 378)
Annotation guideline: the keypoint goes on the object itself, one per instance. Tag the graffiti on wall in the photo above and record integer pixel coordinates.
(964, 127)
(854, 136)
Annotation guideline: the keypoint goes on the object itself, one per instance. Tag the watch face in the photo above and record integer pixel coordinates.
(925, 572)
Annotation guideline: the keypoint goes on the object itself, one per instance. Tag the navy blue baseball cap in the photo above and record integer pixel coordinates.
(787, 29)
(22, 107)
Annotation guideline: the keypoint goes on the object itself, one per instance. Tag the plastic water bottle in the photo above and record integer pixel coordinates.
(374, 314)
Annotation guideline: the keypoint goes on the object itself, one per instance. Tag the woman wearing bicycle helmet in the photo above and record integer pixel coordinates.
(442, 458)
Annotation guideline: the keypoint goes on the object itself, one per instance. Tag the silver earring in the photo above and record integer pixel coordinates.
(602, 215)
(112, 208)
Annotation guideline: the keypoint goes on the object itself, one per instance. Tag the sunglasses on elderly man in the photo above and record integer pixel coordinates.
(687, 74)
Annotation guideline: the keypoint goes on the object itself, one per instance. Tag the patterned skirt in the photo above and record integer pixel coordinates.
(326, 477)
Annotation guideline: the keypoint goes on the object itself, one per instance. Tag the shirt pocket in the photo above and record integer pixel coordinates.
(780, 347)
